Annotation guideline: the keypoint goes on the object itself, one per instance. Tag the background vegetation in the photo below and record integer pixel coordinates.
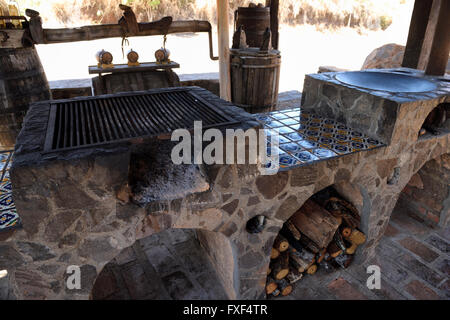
(367, 14)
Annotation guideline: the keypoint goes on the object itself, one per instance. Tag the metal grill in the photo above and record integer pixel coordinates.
(88, 122)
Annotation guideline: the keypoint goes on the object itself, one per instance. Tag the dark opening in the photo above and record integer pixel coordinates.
(256, 224)
(170, 265)
(437, 121)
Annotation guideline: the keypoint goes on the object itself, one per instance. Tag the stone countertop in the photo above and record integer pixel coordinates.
(442, 82)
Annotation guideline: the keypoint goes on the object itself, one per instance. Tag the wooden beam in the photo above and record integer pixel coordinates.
(429, 35)
(440, 47)
(416, 35)
(274, 5)
(224, 49)
(95, 32)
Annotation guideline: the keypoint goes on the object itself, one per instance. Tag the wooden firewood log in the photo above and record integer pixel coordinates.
(269, 270)
(301, 260)
(341, 208)
(280, 243)
(271, 285)
(333, 250)
(274, 253)
(343, 260)
(284, 286)
(346, 231)
(292, 229)
(339, 241)
(316, 223)
(309, 244)
(294, 275)
(303, 242)
(280, 266)
(321, 255)
(276, 293)
(326, 265)
(312, 269)
(356, 238)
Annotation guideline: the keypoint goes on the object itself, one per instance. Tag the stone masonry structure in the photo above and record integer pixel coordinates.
(76, 210)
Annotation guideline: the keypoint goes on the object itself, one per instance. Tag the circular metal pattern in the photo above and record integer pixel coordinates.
(358, 145)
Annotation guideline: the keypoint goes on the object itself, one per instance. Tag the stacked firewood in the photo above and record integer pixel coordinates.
(321, 234)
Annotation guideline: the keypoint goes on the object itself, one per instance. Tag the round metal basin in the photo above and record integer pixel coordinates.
(385, 81)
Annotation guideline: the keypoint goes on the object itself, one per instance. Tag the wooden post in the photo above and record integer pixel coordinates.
(417, 30)
(440, 44)
(429, 35)
(224, 47)
(274, 5)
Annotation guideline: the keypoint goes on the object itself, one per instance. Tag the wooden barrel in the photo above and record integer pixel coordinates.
(255, 77)
(254, 21)
(22, 81)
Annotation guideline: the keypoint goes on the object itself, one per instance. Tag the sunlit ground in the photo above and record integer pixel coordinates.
(303, 49)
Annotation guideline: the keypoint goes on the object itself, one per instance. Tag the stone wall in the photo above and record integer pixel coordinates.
(222, 257)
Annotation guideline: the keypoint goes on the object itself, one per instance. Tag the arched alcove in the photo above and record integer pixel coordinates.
(427, 194)
(437, 121)
(322, 236)
(172, 264)
(414, 246)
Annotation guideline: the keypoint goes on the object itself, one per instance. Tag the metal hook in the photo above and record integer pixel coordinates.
(124, 42)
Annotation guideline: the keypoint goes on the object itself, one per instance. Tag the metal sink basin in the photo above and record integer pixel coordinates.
(385, 81)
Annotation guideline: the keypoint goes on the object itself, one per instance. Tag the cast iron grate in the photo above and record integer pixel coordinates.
(88, 122)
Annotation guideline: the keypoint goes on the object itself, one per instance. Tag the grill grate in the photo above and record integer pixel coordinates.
(88, 122)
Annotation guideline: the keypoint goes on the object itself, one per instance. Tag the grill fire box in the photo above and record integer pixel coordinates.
(93, 121)
(78, 127)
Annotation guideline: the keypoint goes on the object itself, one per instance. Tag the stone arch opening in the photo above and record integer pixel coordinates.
(415, 242)
(436, 122)
(172, 264)
(426, 196)
(323, 235)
